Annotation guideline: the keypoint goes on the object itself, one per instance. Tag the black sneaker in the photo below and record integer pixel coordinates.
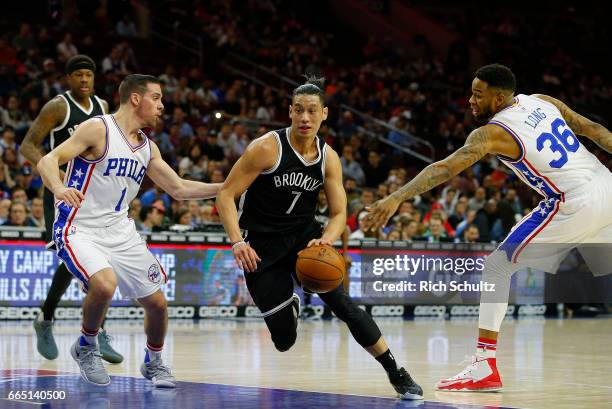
(308, 313)
(405, 386)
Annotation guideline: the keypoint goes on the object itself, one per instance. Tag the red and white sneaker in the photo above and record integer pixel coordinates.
(479, 376)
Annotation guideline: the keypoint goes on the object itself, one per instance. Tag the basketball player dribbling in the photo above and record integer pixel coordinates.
(58, 119)
(277, 181)
(534, 135)
(108, 157)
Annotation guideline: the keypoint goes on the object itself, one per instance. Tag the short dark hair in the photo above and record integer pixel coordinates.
(144, 212)
(497, 76)
(313, 86)
(135, 83)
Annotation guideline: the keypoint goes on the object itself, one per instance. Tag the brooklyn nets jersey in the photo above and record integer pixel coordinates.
(108, 183)
(75, 114)
(284, 198)
(553, 161)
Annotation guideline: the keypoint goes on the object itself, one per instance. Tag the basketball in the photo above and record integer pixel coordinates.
(320, 268)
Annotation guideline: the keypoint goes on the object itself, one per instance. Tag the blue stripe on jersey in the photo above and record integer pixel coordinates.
(535, 181)
(76, 179)
(58, 237)
(537, 218)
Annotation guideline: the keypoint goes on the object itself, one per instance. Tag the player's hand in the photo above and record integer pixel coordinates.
(245, 256)
(70, 196)
(380, 212)
(319, 242)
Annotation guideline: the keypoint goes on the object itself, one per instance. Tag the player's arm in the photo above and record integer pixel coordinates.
(581, 125)
(479, 142)
(51, 115)
(336, 199)
(180, 189)
(260, 155)
(88, 136)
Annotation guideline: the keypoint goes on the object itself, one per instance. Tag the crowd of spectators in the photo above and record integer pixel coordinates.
(211, 117)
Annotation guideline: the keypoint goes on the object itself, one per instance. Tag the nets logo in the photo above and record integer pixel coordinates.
(218, 312)
(154, 274)
(429, 310)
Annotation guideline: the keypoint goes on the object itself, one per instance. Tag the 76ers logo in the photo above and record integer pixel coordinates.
(154, 274)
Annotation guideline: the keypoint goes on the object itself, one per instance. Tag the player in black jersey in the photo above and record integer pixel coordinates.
(58, 119)
(277, 181)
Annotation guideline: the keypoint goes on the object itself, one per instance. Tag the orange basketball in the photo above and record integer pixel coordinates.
(320, 269)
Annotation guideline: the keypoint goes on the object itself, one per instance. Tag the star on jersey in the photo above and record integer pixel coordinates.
(543, 212)
(58, 230)
(75, 183)
(539, 185)
(78, 173)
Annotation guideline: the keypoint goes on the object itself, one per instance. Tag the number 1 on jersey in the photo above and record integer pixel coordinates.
(295, 199)
(118, 207)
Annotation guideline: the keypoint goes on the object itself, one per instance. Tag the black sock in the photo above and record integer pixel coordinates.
(59, 285)
(387, 360)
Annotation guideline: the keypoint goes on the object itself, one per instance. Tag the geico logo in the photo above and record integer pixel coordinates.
(65, 313)
(464, 310)
(125, 312)
(251, 311)
(510, 310)
(387, 310)
(421, 310)
(532, 310)
(230, 311)
(181, 312)
(19, 313)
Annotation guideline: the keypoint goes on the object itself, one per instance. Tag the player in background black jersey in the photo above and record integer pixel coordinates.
(58, 119)
(277, 182)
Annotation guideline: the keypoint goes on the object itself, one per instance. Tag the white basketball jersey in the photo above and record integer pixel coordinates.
(552, 161)
(109, 183)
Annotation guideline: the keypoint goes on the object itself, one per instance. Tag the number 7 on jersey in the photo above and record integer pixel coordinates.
(295, 199)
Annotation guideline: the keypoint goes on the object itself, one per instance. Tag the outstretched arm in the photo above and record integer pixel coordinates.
(477, 145)
(581, 125)
(181, 189)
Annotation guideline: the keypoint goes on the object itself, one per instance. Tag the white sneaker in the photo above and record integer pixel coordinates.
(481, 375)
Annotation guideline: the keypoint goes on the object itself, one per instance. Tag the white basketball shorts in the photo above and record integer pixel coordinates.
(87, 250)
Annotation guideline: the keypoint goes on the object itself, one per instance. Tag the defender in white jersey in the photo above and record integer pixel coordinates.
(535, 136)
(108, 158)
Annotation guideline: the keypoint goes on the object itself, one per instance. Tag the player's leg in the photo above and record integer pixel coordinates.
(271, 287)
(482, 374)
(100, 289)
(307, 312)
(541, 240)
(368, 335)
(43, 324)
(140, 276)
(272, 292)
(156, 325)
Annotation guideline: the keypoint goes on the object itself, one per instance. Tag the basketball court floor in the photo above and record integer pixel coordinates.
(232, 364)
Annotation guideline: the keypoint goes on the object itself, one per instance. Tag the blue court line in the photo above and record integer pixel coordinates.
(128, 392)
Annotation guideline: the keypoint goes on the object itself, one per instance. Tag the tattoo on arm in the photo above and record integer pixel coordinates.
(584, 126)
(476, 146)
(51, 114)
